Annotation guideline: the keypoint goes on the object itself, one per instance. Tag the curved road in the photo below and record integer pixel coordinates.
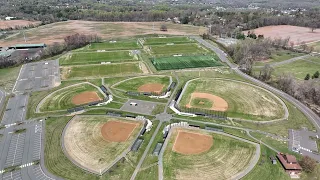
(313, 117)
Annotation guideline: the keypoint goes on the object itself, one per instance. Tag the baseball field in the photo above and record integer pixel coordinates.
(238, 99)
(96, 57)
(94, 142)
(155, 84)
(195, 154)
(70, 97)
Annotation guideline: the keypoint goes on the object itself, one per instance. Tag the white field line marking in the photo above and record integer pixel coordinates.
(15, 151)
(13, 89)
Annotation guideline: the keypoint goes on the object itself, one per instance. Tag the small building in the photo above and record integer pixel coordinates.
(273, 160)
(28, 46)
(136, 145)
(290, 164)
(9, 18)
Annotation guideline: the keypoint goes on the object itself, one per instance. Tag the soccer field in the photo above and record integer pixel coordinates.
(184, 49)
(166, 40)
(96, 57)
(115, 45)
(182, 62)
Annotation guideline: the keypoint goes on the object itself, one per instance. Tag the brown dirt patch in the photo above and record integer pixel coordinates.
(85, 97)
(13, 23)
(219, 104)
(297, 34)
(192, 143)
(117, 131)
(151, 87)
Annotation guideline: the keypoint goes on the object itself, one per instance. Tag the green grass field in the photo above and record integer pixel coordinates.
(166, 40)
(182, 62)
(8, 77)
(278, 56)
(225, 158)
(135, 83)
(62, 99)
(300, 68)
(244, 101)
(184, 49)
(316, 46)
(118, 45)
(100, 70)
(89, 148)
(96, 57)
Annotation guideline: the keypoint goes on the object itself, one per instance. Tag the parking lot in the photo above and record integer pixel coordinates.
(142, 107)
(15, 175)
(38, 76)
(15, 110)
(37, 143)
(16, 148)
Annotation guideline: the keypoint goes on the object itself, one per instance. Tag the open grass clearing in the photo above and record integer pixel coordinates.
(133, 84)
(265, 170)
(182, 62)
(166, 40)
(98, 135)
(98, 71)
(226, 158)
(96, 57)
(300, 68)
(316, 46)
(183, 49)
(8, 77)
(114, 45)
(244, 101)
(278, 56)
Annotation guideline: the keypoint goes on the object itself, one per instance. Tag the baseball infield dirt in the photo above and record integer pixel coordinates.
(297, 34)
(219, 104)
(116, 131)
(151, 87)
(85, 97)
(188, 143)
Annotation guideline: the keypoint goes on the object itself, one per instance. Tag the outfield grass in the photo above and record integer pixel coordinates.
(244, 101)
(265, 170)
(62, 99)
(182, 62)
(300, 68)
(133, 84)
(100, 70)
(278, 56)
(183, 49)
(166, 40)
(118, 45)
(89, 148)
(226, 158)
(8, 77)
(96, 57)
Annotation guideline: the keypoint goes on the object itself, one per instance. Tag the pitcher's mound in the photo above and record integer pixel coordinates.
(85, 97)
(117, 131)
(218, 104)
(192, 143)
(151, 87)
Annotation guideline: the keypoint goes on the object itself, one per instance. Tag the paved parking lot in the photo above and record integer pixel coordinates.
(15, 110)
(300, 140)
(37, 143)
(15, 175)
(143, 107)
(38, 173)
(15, 152)
(38, 76)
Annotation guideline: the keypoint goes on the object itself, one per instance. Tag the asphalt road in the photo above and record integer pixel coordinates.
(314, 118)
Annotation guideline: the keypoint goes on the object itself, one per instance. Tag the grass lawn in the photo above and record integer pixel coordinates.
(316, 46)
(182, 62)
(118, 45)
(149, 174)
(100, 70)
(299, 68)
(62, 99)
(8, 77)
(133, 84)
(278, 56)
(166, 40)
(96, 57)
(225, 158)
(244, 101)
(265, 170)
(183, 49)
